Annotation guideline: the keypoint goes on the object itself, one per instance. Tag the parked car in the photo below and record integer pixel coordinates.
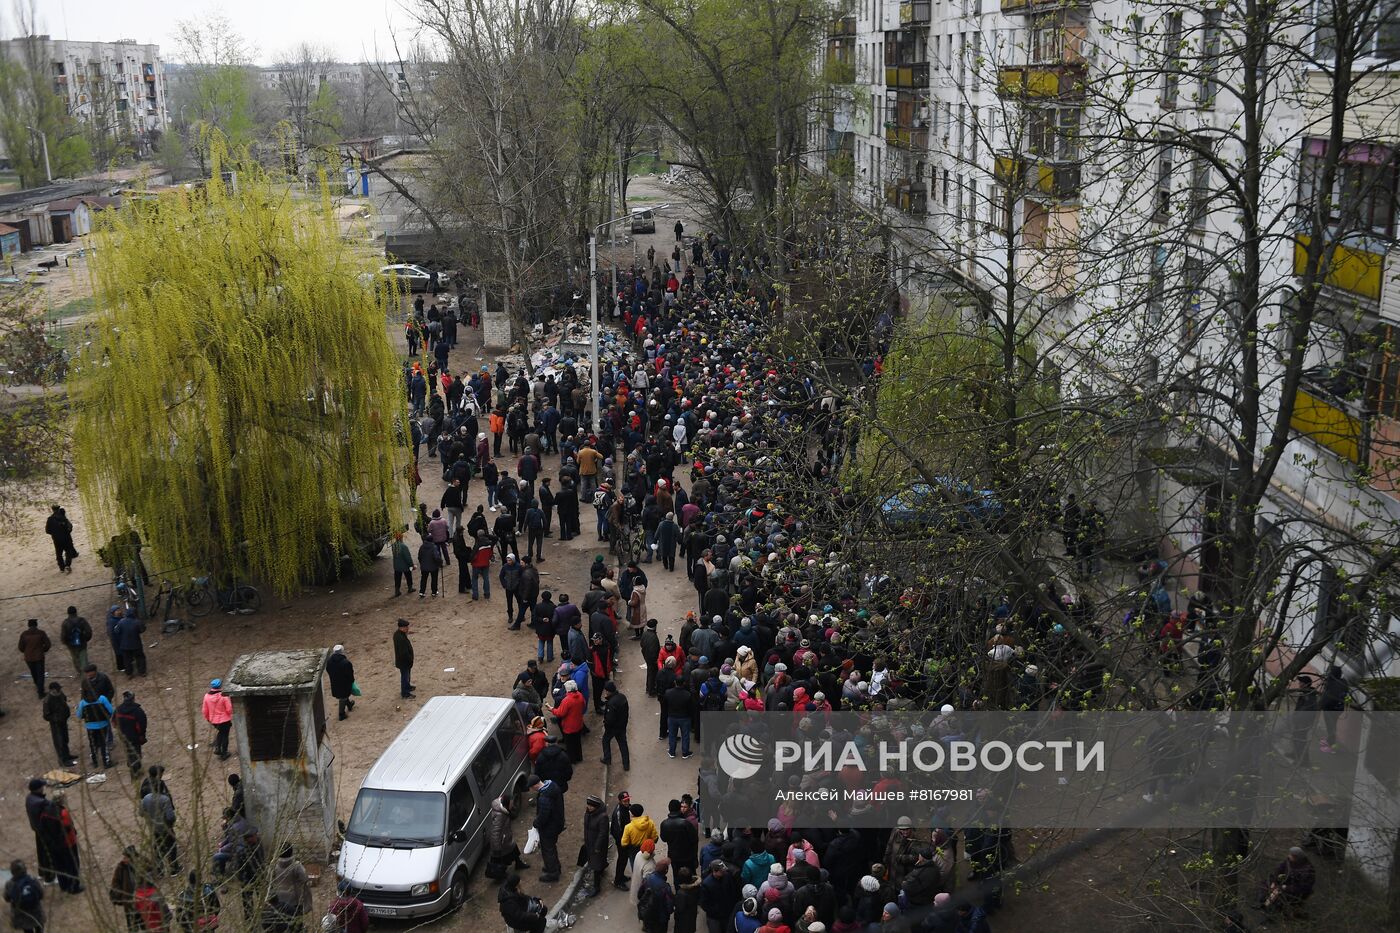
(414, 278)
(922, 506)
(419, 821)
(643, 220)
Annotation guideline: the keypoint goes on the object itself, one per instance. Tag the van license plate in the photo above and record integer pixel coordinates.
(381, 911)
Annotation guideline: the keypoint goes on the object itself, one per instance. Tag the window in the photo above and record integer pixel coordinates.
(1171, 54)
(1162, 192)
(1052, 133)
(511, 739)
(1135, 39)
(1375, 34)
(460, 804)
(1210, 57)
(1362, 196)
(1192, 272)
(273, 728)
(396, 816)
(1156, 284)
(1388, 374)
(487, 765)
(1200, 185)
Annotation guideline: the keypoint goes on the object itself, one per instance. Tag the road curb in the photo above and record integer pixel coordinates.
(558, 917)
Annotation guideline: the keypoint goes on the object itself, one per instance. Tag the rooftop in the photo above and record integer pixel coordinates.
(438, 743)
(276, 671)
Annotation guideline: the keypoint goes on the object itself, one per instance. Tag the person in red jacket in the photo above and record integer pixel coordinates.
(569, 715)
(536, 737)
(669, 650)
(218, 712)
(349, 911)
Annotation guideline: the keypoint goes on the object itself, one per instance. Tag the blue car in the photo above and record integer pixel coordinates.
(922, 506)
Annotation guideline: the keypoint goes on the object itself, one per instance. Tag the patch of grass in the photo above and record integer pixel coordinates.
(75, 308)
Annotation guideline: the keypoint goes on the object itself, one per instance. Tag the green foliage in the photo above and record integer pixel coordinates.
(240, 402)
(28, 100)
(222, 106)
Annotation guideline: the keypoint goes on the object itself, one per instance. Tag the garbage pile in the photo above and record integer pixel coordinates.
(570, 340)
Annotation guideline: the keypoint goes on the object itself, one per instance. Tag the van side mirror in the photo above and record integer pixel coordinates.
(340, 825)
(457, 835)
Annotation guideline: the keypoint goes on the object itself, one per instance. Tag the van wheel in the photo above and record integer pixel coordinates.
(459, 893)
(517, 798)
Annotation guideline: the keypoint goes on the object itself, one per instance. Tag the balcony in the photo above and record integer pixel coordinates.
(1327, 422)
(1353, 269)
(838, 28)
(913, 75)
(916, 13)
(908, 197)
(1042, 81)
(1026, 7)
(1058, 182)
(1043, 180)
(906, 137)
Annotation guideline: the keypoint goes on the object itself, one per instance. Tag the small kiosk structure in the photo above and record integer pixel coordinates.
(279, 719)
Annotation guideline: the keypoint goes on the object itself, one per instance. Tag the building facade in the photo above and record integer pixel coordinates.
(1083, 159)
(118, 87)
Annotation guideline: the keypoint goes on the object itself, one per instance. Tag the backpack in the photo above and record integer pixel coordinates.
(28, 894)
(647, 904)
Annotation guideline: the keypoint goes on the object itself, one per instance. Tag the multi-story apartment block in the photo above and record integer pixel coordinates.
(116, 87)
(1095, 160)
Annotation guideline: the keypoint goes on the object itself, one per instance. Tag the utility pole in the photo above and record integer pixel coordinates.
(44, 141)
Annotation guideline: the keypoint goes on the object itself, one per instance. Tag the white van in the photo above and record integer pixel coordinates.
(419, 822)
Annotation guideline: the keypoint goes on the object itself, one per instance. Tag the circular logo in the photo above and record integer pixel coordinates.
(740, 756)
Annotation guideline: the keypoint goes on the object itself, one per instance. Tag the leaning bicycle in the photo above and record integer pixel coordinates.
(202, 597)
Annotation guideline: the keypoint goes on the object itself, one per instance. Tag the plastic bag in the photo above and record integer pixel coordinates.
(532, 840)
(355, 688)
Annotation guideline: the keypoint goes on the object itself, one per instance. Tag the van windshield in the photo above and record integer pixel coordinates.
(397, 818)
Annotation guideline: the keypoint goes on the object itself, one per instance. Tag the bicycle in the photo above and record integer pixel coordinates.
(203, 597)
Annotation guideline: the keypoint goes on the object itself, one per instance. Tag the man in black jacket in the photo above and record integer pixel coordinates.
(595, 843)
(651, 650)
(521, 912)
(342, 674)
(621, 816)
(681, 837)
(615, 713)
(553, 763)
(549, 822)
(130, 720)
(57, 712)
(75, 633)
(680, 706)
(403, 659)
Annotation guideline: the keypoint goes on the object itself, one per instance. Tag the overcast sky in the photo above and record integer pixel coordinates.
(349, 27)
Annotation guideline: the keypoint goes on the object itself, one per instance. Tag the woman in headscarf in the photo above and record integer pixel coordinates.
(637, 609)
(642, 865)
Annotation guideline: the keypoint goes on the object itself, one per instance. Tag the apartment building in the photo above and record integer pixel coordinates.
(118, 87)
(1079, 155)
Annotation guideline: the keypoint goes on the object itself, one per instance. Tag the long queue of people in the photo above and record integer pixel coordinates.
(700, 434)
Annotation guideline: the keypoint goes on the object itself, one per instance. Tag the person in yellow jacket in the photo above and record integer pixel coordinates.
(637, 831)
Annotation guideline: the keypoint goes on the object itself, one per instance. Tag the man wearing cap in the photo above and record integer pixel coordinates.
(719, 892)
(901, 853)
(403, 659)
(595, 843)
(1290, 884)
(924, 881)
(549, 823)
(341, 672)
(218, 712)
(95, 712)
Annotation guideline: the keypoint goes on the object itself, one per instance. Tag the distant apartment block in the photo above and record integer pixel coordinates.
(116, 86)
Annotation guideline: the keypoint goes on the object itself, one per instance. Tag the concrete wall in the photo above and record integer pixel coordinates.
(496, 330)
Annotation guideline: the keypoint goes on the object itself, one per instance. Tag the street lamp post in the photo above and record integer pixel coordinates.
(596, 368)
(44, 141)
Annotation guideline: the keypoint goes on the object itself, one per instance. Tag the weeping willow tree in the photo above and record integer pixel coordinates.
(240, 406)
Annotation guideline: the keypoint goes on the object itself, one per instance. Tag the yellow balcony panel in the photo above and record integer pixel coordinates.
(1009, 171)
(1328, 425)
(1043, 81)
(891, 76)
(1352, 269)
